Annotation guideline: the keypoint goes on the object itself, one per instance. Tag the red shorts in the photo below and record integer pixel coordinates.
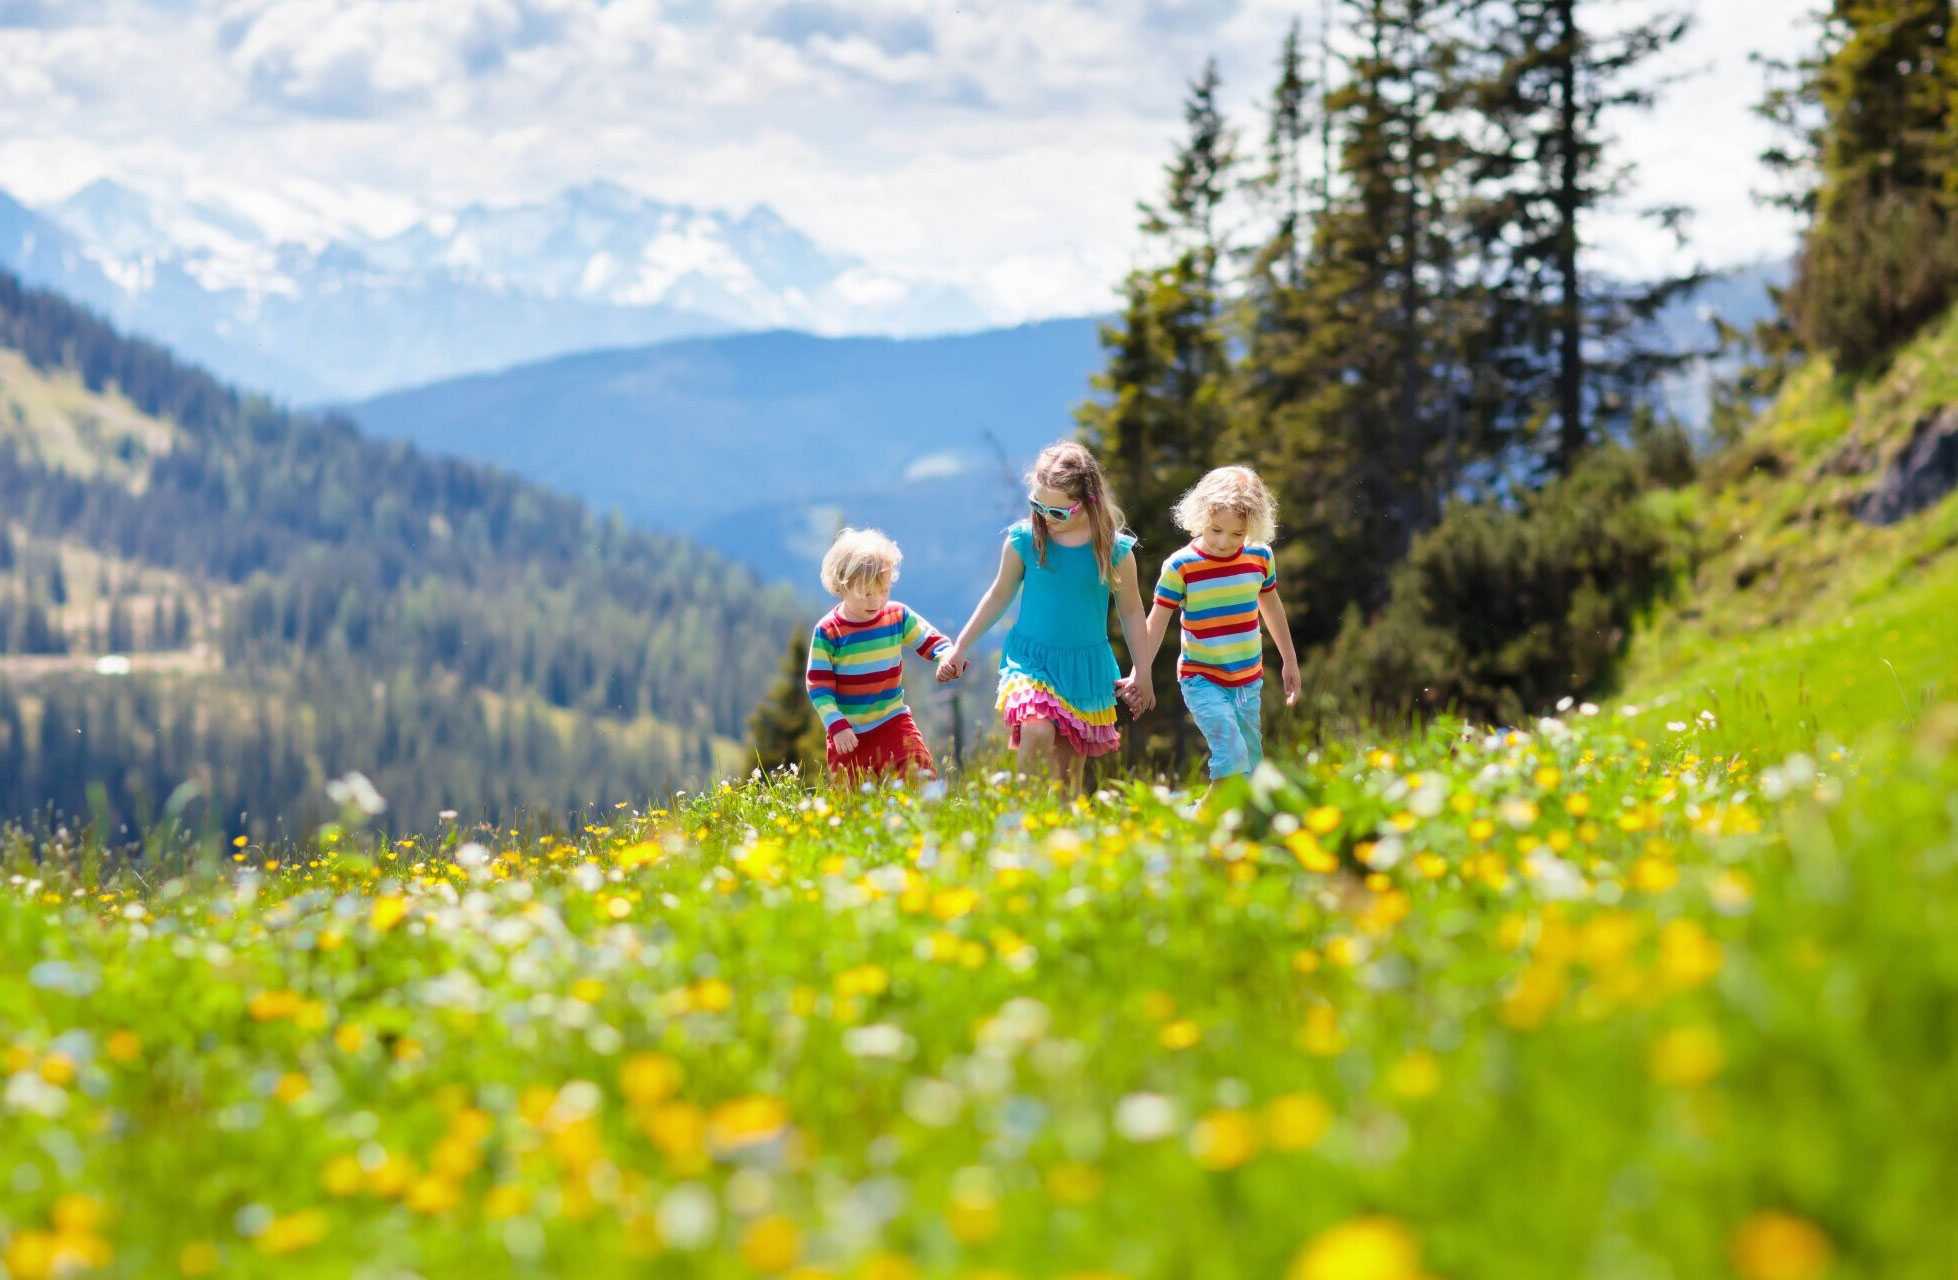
(894, 746)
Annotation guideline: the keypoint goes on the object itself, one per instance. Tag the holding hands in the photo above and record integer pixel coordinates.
(952, 665)
(1137, 690)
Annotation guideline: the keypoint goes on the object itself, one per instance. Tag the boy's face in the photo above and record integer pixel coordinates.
(1222, 534)
(863, 598)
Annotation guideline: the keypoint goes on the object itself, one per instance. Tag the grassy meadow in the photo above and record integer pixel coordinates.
(1571, 999)
(1658, 990)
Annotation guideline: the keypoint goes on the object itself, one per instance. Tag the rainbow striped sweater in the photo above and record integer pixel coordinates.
(1219, 600)
(856, 678)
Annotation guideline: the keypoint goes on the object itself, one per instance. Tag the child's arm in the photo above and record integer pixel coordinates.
(1272, 610)
(985, 614)
(920, 635)
(1168, 600)
(821, 680)
(1139, 689)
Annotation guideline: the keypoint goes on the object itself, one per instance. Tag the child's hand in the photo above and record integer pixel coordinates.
(845, 740)
(1289, 675)
(952, 665)
(1138, 691)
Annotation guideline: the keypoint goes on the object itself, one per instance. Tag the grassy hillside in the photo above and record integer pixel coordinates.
(197, 588)
(1799, 618)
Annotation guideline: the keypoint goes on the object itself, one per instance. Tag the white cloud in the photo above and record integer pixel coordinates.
(999, 146)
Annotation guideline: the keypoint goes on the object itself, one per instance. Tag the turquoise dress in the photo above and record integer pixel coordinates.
(1057, 663)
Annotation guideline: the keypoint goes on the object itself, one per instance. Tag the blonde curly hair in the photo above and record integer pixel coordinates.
(1237, 490)
(859, 557)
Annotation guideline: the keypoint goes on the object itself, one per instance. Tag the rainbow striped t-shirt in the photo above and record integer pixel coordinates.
(1219, 600)
(856, 678)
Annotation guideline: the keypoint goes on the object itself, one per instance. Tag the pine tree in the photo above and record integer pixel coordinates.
(1348, 405)
(1163, 415)
(1561, 340)
(1870, 152)
(785, 729)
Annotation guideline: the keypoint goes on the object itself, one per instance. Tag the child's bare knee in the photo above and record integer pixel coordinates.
(1039, 733)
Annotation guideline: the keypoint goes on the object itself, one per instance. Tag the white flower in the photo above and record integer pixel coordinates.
(879, 1040)
(688, 1216)
(1145, 1117)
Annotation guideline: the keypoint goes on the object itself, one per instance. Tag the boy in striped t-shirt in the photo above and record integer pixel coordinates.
(856, 654)
(1223, 584)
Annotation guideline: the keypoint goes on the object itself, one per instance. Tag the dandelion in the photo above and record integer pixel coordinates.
(1686, 1057)
(771, 1244)
(1780, 1246)
(1370, 1248)
(1223, 1140)
(1295, 1121)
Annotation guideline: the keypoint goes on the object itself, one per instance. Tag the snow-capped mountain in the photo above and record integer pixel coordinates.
(291, 294)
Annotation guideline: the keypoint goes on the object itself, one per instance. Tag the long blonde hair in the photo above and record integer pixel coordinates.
(1069, 468)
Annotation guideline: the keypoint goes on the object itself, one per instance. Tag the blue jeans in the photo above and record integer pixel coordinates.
(1229, 721)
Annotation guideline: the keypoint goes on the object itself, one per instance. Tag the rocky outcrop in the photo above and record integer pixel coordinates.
(1918, 477)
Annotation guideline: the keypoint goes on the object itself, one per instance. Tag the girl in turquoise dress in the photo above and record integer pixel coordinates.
(1057, 672)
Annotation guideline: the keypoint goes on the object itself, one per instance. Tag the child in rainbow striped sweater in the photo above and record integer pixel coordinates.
(1223, 584)
(856, 653)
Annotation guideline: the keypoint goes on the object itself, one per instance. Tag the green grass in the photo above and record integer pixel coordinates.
(1800, 628)
(1555, 1004)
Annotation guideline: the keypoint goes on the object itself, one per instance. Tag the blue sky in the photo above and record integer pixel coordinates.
(1000, 145)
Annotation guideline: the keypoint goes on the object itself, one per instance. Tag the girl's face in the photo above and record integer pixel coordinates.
(862, 600)
(1222, 534)
(1043, 497)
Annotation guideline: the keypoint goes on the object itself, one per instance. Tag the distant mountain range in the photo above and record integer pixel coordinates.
(760, 445)
(320, 309)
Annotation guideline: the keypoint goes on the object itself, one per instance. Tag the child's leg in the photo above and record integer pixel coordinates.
(1213, 708)
(1250, 723)
(1037, 742)
(1067, 764)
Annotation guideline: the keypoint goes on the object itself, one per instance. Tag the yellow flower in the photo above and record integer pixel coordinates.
(505, 1200)
(1548, 776)
(1181, 1034)
(1654, 875)
(1310, 855)
(1294, 1121)
(647, 1078)
(387, 912)
(1417, 1075)
(1322, 1037)
(1780, 1246)
(1686, 1057)
(1223, 1140)
(1323, 820)
(292, 1086)
(58, 1068)
(292, 1232)
(431, 1194)
(1370, 1248)
(198, 1258)
(342, 1176)
(1687, 956)
(123, 1046)
(771, 1244)
(348, 1037)
(884, 1266)
(588, 990)
(711, 995)
(745, 1122)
